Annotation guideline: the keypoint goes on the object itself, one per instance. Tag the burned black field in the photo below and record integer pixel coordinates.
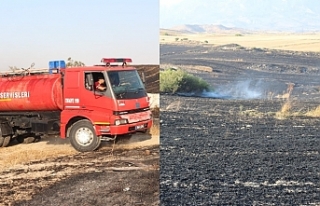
(240, 151)
(213, 154)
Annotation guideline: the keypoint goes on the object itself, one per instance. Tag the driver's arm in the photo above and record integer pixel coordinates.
(99, 87)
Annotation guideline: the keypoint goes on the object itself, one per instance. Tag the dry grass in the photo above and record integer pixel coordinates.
(22, 153)
(252, 113)
(198, 67)
(194, 67)
(270, 95)
(314, 113)
(155, 112)
(285, 110)
(174, 106)
(283, 41)
(155, 129)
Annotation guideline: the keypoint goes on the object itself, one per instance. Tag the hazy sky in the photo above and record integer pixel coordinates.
(249, 14)
(43, 30)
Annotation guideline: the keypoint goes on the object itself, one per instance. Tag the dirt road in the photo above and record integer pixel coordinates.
(51, 172)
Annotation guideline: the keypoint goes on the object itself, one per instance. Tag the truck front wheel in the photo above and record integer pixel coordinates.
(83, 137)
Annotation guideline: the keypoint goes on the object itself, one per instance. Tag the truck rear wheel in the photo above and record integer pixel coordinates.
(26, 139)
(6, 141)
(1, 141)
(83, 137)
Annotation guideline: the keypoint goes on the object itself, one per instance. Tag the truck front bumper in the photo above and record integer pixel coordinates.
(141, 126)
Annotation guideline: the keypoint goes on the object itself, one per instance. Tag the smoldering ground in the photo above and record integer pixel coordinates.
(239, 89)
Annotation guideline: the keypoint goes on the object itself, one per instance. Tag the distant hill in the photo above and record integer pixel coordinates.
(173, 32)
(195, 28)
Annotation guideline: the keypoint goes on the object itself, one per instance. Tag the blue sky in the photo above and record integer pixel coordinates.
(280, 15)
(43, 30)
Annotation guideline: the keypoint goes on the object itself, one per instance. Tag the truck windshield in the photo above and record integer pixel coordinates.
(126, 84)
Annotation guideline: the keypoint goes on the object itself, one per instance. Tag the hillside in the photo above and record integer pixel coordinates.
(207, 28)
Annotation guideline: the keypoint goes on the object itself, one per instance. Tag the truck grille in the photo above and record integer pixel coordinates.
(131, 111)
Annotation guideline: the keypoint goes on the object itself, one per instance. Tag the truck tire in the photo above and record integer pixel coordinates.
(25, 139)
(20, 139)
(6, 141)
(1, 141)
(28, 140)
(83, 137)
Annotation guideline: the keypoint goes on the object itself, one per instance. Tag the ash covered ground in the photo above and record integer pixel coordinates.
(233, 149)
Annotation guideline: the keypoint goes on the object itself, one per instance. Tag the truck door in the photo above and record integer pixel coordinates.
(72, 86)
(92, 98)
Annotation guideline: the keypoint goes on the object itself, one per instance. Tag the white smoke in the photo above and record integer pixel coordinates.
(247, 89)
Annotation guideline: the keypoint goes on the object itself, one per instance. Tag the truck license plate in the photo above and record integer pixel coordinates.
(140, 127)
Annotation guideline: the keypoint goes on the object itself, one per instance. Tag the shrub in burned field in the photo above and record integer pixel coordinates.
(172, 81)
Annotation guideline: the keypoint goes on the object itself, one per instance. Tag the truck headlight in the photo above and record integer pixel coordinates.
(121, 121)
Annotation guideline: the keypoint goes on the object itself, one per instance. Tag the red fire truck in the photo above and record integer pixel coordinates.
(86, 104)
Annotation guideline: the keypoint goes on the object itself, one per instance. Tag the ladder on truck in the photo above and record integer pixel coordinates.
(54, 67)
(23, 72)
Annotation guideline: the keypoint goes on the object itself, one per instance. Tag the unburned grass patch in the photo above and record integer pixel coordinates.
(285, 110)
(313, 113)
(252, 113)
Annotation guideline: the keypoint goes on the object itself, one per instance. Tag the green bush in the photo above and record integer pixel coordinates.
(177, 80)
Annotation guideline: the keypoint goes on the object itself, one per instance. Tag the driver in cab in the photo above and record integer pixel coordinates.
(99, 85)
